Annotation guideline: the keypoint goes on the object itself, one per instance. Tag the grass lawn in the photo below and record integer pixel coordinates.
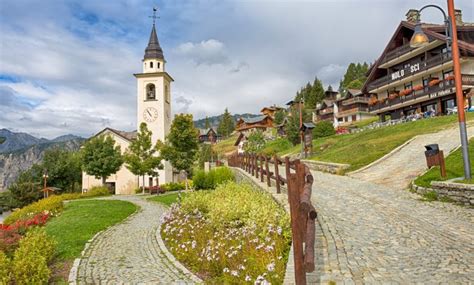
(225, 146)
(81, 220)
(363, 148)
(454, 168)
(167, 199)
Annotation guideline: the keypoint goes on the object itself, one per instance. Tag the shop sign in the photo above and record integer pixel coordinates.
(401, 73)
(441, 93)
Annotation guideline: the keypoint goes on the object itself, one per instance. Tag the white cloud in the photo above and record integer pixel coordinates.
(206, 52)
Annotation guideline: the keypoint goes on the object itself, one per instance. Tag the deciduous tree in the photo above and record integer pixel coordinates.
(100, 157)
(141, 156)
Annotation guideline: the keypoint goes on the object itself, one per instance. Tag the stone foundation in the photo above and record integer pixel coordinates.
(329, 167)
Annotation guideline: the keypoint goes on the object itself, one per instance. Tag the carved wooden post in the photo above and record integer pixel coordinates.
(267, 171)
(277, 175)
(252, 159)
(262, 171)
(256, 166)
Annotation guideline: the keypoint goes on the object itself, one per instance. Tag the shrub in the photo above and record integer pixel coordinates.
(214, 177)
(232, 235)
(9, 241)
(52, 204)
(323, 129)
(5, 271)
(30, 263)
(276, 146)
(97, 191)
(173, 186)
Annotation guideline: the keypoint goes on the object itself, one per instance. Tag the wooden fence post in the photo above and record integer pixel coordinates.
(293, 198)
(267, 171)
(277, 175)
(262, 171)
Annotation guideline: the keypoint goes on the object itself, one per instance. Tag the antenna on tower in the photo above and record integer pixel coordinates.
(155, 9)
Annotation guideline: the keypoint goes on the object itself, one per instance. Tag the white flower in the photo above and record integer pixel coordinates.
(248, 278)
(193, 244)
(226, 270)
(271, 267)
(268, 248)
(279, 230)
(234, 273)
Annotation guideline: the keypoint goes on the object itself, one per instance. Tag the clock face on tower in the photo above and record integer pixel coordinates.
(150, 114)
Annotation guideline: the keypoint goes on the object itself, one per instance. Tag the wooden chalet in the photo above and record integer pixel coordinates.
(351, 107)
(262, 123)
(208, 136)
(325, 109)
(405, 81)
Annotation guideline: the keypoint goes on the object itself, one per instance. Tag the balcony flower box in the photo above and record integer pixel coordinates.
(434, 82)
(406, 92)
(373, 101)
(450, 77)
(418, 87)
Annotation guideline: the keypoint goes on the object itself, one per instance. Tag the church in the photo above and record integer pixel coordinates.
(153, 108)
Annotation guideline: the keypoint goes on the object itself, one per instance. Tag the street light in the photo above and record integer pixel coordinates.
(420, 39)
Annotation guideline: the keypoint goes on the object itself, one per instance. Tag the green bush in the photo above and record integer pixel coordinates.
(323, 129)
(5, 271)
(30, 263)
(98, 191)
(214, 177)
(173, 186)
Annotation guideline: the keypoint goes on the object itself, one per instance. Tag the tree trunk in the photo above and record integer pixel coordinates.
(143, 185)
(103, 180)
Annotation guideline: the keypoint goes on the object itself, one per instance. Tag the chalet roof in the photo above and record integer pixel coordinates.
(203, 132)
(254, 119)
(465, 41)
(129, 136)
(354, 92)
(153, 50)
(271, 108)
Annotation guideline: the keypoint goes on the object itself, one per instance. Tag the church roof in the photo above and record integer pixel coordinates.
(153, 50)
(129, 136)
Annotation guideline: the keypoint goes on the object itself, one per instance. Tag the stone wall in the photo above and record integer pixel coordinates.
(458, 192)
(329, 167)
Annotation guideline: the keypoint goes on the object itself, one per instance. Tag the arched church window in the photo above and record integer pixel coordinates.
(151, 64)
(150, 92)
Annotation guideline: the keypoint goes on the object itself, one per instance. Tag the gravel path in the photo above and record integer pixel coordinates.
(398, 170)
(129, 253)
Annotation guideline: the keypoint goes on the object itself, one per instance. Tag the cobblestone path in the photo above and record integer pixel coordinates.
(129, 253)
(374, 234)
(409, 161)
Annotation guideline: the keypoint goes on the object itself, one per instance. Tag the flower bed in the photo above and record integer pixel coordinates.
(231, 235)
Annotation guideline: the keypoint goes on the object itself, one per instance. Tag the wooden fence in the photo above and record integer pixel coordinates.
(298, 181)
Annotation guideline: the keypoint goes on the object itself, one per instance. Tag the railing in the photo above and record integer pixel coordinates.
(413, 69)
(396, 53)
(413, 96)
(352, 111)
(299, 183)
(355, 100)
(467, 79)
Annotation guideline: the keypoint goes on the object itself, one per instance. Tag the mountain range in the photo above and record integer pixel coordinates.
(19, 151)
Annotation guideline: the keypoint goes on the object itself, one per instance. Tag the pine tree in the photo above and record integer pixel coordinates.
(226, 125)
(207, 123)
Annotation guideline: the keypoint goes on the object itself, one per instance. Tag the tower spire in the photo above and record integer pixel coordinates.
(153, 50)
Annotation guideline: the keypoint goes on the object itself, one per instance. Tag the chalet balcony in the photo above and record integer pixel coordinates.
(326, 111)
(363, 100)
(351, 111)
(413, 69)
(442, 89)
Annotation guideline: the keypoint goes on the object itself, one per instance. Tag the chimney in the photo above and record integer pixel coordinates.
(458, 17)
(413, 16)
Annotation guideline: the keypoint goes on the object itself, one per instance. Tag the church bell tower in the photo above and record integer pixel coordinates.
(154, 99)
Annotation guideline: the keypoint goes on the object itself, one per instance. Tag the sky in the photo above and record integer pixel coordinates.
(66, 67)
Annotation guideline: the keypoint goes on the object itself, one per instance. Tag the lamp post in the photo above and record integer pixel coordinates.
(420, 39)
(45, 178)
(301, 103)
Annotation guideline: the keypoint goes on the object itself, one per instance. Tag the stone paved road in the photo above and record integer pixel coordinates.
(373, 234)
(399, 169)
(129, 253)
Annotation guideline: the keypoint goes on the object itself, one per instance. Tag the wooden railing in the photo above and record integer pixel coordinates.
(299, 182)
(355, 100)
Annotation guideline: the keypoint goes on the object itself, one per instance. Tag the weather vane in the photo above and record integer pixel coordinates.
(154, 15)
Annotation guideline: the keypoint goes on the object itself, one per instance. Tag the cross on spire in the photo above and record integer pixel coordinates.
(154, 15)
